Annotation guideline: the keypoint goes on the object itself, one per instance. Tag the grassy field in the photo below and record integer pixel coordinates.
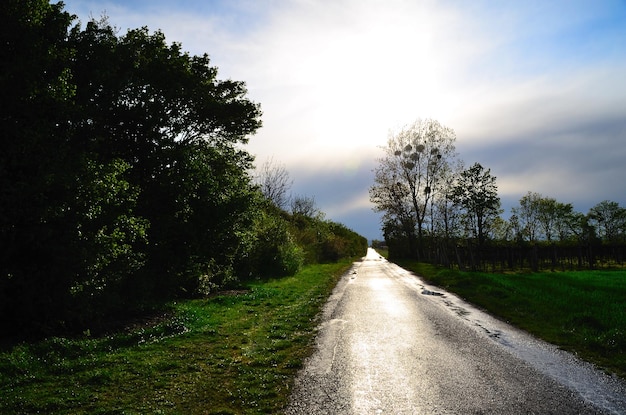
(583, 312)
(235, 353)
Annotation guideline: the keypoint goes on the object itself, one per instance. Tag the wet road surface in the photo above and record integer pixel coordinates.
(389, 344)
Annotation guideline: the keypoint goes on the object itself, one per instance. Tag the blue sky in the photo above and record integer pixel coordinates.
(535, 90)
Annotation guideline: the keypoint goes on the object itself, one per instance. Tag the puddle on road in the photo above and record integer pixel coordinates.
(604, 391)
(428, 292)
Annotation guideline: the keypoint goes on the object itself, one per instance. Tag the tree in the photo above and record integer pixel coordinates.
(552, 218)
(568, 222)
(391, 197)
(305, 206)
(527, 215)
(445, 214)
(121, 166)
(66, 220)
(273, 178)
(106, 241)
(539, 217)
(410, 174)
(179, 128)
(501, 230)
(609, 220)
(476, 192)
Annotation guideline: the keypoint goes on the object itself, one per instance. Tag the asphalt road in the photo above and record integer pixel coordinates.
(389, 344)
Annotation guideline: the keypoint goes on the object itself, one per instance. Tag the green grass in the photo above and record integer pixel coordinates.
(583, 312)
(235, 353)
(383, 252)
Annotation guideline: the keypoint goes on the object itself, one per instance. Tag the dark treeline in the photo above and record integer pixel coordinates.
(436, 210)
(502, 256)
(124, 180)
(541, 234)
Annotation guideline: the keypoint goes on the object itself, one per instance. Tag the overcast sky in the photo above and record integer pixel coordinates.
(535, 90)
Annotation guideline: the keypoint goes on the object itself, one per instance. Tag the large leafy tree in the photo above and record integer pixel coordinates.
(167, 115)
(121, 165)
(476, 192)
(411, 173)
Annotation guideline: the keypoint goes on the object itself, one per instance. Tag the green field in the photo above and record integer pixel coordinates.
(583, 312)
(235, 353)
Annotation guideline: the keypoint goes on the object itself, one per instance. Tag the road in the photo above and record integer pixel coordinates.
(390, 344)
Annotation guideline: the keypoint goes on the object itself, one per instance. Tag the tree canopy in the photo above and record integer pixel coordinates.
(411, 175)
(477, 194)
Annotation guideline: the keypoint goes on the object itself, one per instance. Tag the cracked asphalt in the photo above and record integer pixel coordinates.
(389, 344)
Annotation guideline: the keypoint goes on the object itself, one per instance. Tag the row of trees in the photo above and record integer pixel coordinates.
(125, 180)
(432, 204)
(539, 218)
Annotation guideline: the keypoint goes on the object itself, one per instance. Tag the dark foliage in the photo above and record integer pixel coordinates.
(124, 182)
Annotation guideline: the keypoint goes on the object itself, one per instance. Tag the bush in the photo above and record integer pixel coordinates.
(274, 252)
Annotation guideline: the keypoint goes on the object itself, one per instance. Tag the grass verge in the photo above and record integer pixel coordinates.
(235, 353)
(583, 312)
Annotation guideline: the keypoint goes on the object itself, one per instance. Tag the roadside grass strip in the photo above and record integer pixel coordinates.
(583, 312)
(234, 353)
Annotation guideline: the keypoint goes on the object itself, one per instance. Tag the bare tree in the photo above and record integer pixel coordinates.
(274, 181)
(445, 214)
(412, 170)
(305, 206)
(392, 197)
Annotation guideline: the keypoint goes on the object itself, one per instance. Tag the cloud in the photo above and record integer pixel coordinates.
(534, 90)
(559, 137)
(341, 76)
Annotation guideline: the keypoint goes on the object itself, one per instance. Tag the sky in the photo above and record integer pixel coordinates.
(534, 90)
